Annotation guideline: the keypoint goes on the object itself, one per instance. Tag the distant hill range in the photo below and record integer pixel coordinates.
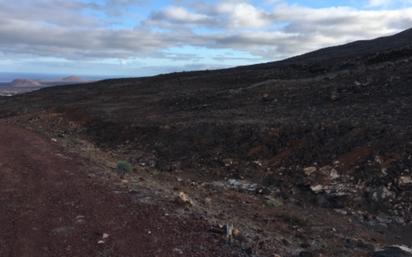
(24, 83)
(27, 85)
(44, 83)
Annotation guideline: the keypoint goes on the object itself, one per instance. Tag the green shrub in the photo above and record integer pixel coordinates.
(123, 167)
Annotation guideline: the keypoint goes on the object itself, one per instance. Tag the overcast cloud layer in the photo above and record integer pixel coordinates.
(138, 37)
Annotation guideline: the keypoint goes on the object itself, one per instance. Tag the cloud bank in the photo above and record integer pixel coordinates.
(99, 32)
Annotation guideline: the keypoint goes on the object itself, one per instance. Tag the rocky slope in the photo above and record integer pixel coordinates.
(331, 128)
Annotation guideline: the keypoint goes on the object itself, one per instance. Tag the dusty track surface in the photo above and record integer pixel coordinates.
(49, 206)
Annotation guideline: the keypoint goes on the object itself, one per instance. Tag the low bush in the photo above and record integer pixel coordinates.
(123, 167)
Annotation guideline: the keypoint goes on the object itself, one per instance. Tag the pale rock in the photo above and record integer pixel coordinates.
(309, 170)
(334, 174)
(185, 199)
(317, 189)
(405, 181)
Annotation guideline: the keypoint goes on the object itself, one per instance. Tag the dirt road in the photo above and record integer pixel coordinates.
(50, 207)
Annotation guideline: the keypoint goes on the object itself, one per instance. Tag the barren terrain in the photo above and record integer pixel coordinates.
(52, 204)
(310, 156)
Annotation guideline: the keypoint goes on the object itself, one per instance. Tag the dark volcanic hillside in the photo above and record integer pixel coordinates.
(391, 44)
(346, 108)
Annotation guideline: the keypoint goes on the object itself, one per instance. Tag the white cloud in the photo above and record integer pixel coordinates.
(65, 29)
(179, 14)
(379, 2)
(242, 14)
(176, 15)
(376, 3)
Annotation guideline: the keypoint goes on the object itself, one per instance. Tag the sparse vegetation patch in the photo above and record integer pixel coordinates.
(123, 167)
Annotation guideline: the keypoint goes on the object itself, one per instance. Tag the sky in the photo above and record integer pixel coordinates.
(112, 38)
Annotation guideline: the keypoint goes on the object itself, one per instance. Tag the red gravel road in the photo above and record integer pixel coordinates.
(50, 207)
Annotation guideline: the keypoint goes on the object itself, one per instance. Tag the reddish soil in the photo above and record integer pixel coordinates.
(49, 206)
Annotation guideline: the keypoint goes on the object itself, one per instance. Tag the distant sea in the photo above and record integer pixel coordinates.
(6, 77)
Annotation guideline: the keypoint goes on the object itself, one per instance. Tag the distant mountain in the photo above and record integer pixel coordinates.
(25, 83)
(19, 85)
(72, 79)
(32, 83)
